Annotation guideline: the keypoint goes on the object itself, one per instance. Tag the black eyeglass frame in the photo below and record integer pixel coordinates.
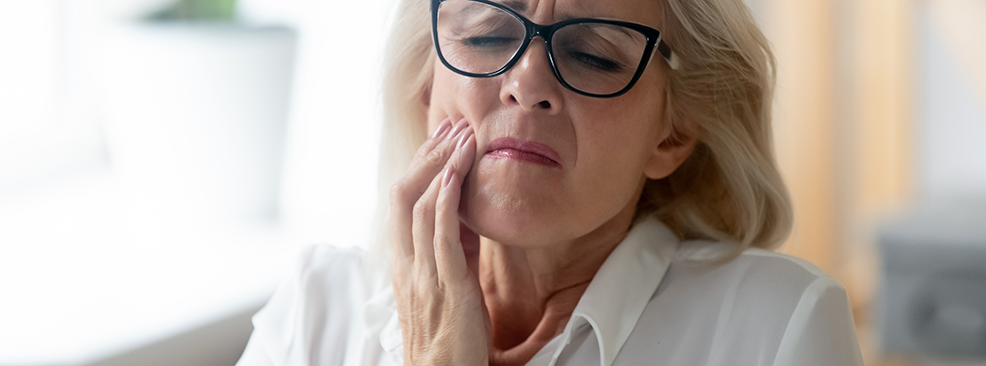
(652, 35)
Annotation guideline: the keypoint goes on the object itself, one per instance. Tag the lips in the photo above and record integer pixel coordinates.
(533, 152)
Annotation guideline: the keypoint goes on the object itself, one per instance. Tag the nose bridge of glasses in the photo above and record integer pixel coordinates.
(528, 56)
(544, 32)
(537, 30)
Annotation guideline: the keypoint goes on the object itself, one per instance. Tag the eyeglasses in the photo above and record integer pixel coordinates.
(593, 57)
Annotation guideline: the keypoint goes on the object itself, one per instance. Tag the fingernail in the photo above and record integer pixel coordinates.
(459, 127)
(465, 138)
(442, 128)
(448, 176)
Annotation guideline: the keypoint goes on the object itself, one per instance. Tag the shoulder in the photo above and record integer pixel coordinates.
(327, 276)
(759, 285)
(755, 273)
(316, 311)
(328, 264)
(324, 277)
(760, 308)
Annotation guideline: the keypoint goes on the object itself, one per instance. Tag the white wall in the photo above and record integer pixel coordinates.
(39, 140)
(66, 232)
(329, 186)
(951, 130)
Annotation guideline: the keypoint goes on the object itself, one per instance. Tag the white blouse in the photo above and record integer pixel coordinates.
(651, 303)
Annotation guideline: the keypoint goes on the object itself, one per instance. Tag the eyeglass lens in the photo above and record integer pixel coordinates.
(595, 58)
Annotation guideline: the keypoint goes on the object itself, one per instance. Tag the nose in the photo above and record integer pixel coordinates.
(531, 83)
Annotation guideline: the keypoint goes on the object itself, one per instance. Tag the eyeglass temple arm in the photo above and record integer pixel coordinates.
(668, 54)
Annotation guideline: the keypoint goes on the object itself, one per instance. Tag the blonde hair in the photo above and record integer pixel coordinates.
(728, 190)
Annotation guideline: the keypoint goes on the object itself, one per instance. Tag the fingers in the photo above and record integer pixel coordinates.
(450, 259)
(408, 190)
(432, 156)
(424, 228)
(441, 310)
(428, 162)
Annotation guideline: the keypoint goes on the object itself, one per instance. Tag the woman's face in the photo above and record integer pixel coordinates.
(553, 165)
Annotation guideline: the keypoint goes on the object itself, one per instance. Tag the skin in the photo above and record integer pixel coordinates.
(494, 254)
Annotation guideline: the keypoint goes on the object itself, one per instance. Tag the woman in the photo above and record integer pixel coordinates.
(593, 185)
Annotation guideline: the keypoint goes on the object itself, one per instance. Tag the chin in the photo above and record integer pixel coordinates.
(509, 230)
(512, 217)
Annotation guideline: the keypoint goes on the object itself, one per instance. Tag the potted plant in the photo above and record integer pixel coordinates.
(197, 10)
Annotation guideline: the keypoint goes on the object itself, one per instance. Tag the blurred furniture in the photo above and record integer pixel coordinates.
(931, 302)
(218, 343)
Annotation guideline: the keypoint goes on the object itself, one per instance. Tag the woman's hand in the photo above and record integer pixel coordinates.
(443, 317)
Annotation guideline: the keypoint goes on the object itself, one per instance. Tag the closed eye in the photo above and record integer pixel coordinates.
(596, 62)
(488, 41)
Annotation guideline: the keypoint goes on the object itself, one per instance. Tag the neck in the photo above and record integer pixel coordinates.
(532, 292)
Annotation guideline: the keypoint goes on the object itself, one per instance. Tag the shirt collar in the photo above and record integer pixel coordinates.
(623, 286)
(611, 304)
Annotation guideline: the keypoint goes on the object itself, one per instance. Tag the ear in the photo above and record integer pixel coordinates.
(669, 154)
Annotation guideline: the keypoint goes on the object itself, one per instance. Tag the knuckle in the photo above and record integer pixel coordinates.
(434, 157)
(425, 148)
(399, 193)
(439, 242)
(421, 211)
(443, 199)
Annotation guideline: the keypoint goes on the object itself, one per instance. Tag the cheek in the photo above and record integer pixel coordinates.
(612, 165)
(616, 142)
(456, 97)
(627, 127)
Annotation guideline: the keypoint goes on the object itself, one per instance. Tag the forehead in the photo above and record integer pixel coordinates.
(644, 12)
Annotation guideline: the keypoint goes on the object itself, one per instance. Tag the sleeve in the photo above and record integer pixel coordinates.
(270, 341)
(821, 331)
(310, 318)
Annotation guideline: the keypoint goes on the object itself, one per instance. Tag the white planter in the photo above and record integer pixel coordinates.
(195, 116)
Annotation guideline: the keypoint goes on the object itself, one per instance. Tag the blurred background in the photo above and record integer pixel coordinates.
(158, 174)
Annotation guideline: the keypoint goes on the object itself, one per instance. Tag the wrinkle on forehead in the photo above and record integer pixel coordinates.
(550, 11)
(517, 5)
